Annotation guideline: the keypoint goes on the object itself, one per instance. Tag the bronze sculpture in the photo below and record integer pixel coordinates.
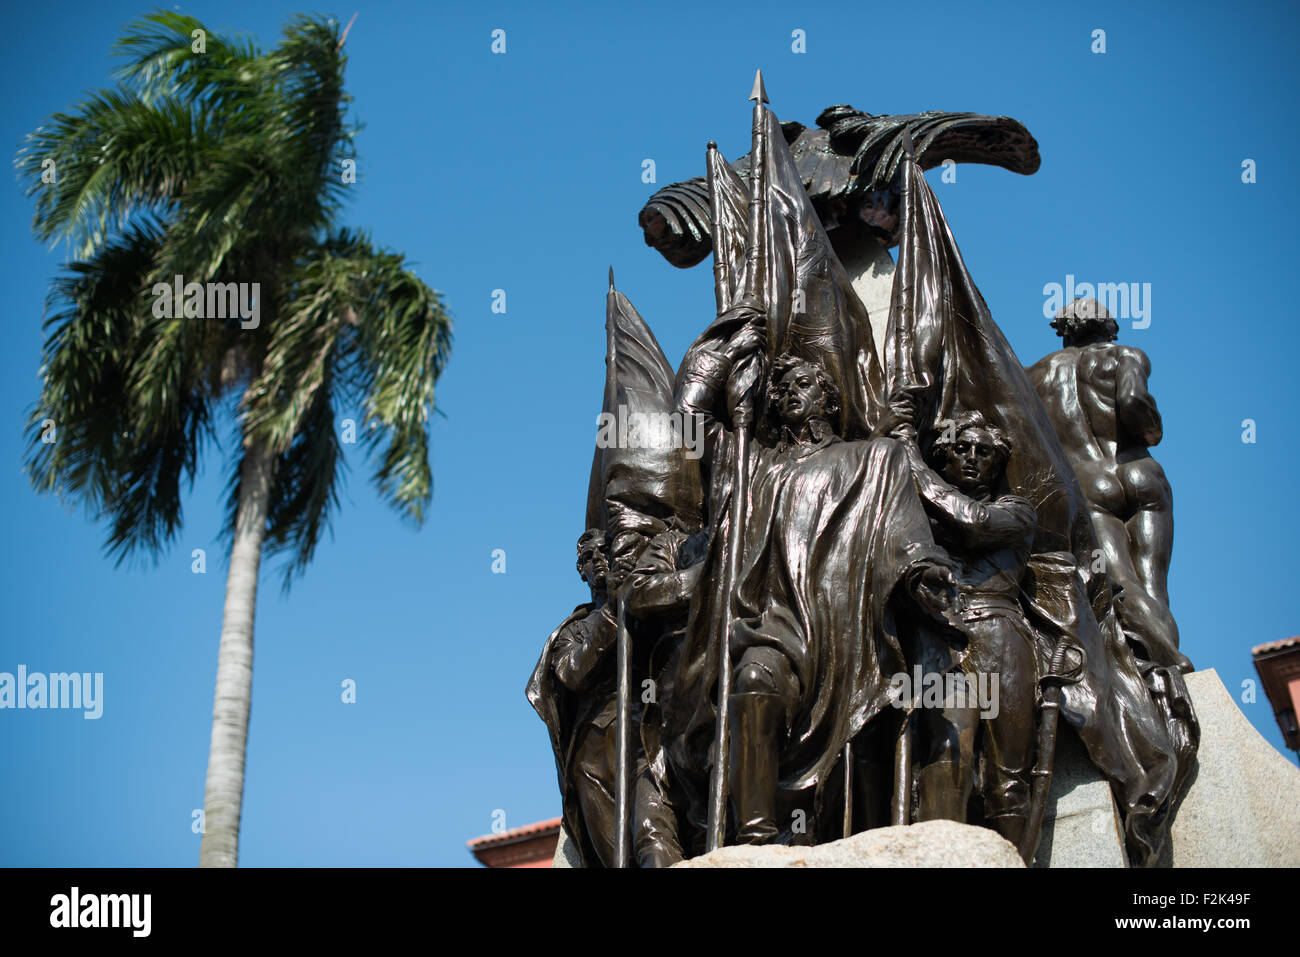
(849, 165)
(1096, 393)
(835, 538)
(989, 538)
(658, 595)
(573, 690)
(848, 514)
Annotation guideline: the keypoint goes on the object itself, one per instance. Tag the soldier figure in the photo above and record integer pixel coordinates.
(989, 539)
(657, 600)
(833, 527)
(573, 690)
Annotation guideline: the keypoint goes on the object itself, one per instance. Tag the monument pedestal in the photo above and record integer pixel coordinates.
(1242, 808)
(1081, 827)
(928, 844)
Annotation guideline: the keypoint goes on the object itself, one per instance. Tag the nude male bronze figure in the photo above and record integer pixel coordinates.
(1095, 391)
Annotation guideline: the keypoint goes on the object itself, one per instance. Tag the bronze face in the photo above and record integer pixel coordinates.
(800, 396)
(973, 461)
(592, 563)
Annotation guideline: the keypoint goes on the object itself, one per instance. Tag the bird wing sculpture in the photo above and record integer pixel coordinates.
(849, 166)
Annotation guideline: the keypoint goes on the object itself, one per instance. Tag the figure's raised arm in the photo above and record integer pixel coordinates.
(973, 457)
(1134, 405)
(702, 380)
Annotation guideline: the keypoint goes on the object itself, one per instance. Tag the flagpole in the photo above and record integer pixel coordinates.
(622, 764)
(721, 264)
(755, 283)
(623, 728)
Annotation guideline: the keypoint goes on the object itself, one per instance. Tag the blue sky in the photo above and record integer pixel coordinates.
(522, 172)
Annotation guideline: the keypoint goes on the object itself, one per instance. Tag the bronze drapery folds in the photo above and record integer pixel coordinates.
(801, 527)
(944, 345)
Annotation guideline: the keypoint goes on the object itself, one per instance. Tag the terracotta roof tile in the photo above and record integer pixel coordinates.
(537, 829)
(1275, 646)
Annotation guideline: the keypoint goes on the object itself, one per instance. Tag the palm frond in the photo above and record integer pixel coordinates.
(309, 64)
(403, 341)
(113, 156)
(222, 166)
(159, 62)
(95, 309)
(122, 467)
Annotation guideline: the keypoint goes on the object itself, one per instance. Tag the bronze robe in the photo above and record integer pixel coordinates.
(833, 528)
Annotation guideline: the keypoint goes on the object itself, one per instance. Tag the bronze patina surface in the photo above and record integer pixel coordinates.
(830, 592)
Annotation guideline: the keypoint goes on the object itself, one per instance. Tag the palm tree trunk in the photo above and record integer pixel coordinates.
(223, 794)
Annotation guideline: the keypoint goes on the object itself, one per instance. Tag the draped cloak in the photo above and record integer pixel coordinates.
(565, 714)
(832, 530)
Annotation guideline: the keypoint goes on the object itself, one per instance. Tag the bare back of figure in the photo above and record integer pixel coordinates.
(1095, 391)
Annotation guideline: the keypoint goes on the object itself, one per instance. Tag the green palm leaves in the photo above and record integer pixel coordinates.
(221, 166)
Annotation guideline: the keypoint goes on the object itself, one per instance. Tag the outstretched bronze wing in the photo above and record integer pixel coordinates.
(849, 166)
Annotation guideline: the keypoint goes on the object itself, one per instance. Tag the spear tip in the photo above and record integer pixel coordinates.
(759, 92)
(611, 278)
(908, 148)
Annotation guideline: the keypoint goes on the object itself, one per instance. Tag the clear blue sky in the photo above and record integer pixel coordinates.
(523, 172)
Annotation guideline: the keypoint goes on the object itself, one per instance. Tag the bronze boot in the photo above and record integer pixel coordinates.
(1010, 826)
(944, 788)
(654, 824)
(1007, 803)
(873, 783)
(757, 727)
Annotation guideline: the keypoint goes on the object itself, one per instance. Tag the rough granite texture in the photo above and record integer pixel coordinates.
(929, 844)
(1243, 806)
(566, 854)
(1081, 826)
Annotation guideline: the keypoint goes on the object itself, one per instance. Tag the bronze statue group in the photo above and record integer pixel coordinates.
(932, 508)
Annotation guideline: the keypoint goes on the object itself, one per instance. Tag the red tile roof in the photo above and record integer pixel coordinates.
(1275, 646)
(539, 829)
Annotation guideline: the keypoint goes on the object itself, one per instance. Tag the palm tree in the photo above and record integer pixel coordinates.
(225, 165)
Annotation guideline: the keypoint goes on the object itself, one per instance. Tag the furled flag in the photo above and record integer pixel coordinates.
(645, 468)
(943, 347)
(810, 306)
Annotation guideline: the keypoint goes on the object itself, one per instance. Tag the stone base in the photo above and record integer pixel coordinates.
(566, 852)
(929, 844)
(1242, 808)
(1081, 826)
(871, 270)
